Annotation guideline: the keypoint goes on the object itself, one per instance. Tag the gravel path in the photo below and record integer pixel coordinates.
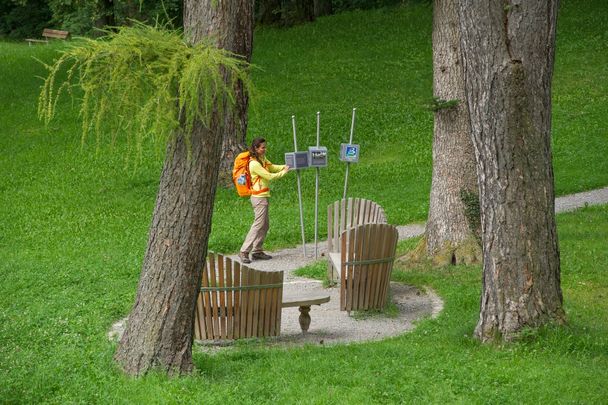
(330, 325)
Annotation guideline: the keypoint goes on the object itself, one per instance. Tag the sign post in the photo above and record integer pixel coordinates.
(317, 191)
(347, 153)
(295, 148)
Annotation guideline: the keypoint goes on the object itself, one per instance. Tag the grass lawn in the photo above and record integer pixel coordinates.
(74, 222)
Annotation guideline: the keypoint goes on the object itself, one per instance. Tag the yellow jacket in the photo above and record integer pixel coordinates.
(262, 175)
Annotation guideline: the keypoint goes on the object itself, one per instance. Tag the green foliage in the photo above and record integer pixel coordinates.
(438, 104)
(23, 19)
(316, 270)
(472, 211)
(74, 227)
(27, 18)
(143, 82)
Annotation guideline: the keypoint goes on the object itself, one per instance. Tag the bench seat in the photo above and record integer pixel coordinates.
(304, 300)
(364, 265)
(236, 301)
(47, 34)
(343, 215)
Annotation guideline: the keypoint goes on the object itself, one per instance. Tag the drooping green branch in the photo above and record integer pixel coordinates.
(143, 82)
(438, 104)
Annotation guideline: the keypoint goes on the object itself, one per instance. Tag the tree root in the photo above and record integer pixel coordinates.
(468, 252)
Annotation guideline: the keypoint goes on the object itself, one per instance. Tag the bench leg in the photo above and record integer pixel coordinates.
(304, 318)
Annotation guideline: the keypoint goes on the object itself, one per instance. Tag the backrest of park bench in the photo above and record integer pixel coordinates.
(347, 213)
(55, 34)
(237, 302)
(367, 262)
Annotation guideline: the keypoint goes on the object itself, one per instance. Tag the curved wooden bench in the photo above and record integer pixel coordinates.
(365, 263)
(237, 302)
(343, 215)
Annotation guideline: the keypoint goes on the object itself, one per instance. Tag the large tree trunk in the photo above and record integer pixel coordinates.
(159, 330)
(508, 53)
(230, 24)
(450, 235)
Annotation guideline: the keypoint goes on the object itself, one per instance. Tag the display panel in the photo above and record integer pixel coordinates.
(317, 156)
(297, 160)
(349, 153)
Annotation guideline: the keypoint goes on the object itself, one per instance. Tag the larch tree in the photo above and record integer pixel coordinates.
(452, 228)
(508, 54)
(160, 326)
(142, 82)
(229, 24)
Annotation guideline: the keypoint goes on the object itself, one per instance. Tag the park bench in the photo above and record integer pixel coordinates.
(344, 214)
(47, 34)
(236, 302)
(365, 263)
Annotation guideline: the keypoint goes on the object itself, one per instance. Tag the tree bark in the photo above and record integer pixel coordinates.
(508, 53)
(105, 10)
(322, 7)
(230, 25)
(449, 237)
(159, 330)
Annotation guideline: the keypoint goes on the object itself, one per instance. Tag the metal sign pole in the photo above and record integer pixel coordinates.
(352, 130)
(295, 148)
(317, 192)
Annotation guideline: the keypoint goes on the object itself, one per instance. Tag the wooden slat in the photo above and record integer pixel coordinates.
(350, 217)
(229, 302)
(360, 253)
(238, 309)
(207, 304)
(351, 214)
(47, 32)
(250, 303)
(337, 224)
(342, 216)
(391, 246)
(266, 308)
(256, 304)
(275, 295)
(373, 209)
(264, 280)
(367, 270)
(222, 296)
(379, 292)
(363, 212)
(378, 269)
(343, 270)
(355, 273)
(214, 296)
(353, 254)
(330, 222)
(278, 296)
(244, 301)
(199, 319)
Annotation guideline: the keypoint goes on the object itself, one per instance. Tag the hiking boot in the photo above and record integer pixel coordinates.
(244, 258)
(260, 256)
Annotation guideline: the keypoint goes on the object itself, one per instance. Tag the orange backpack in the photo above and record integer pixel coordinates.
(241, 176)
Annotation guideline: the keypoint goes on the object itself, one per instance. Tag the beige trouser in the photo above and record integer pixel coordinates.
(255, 238)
